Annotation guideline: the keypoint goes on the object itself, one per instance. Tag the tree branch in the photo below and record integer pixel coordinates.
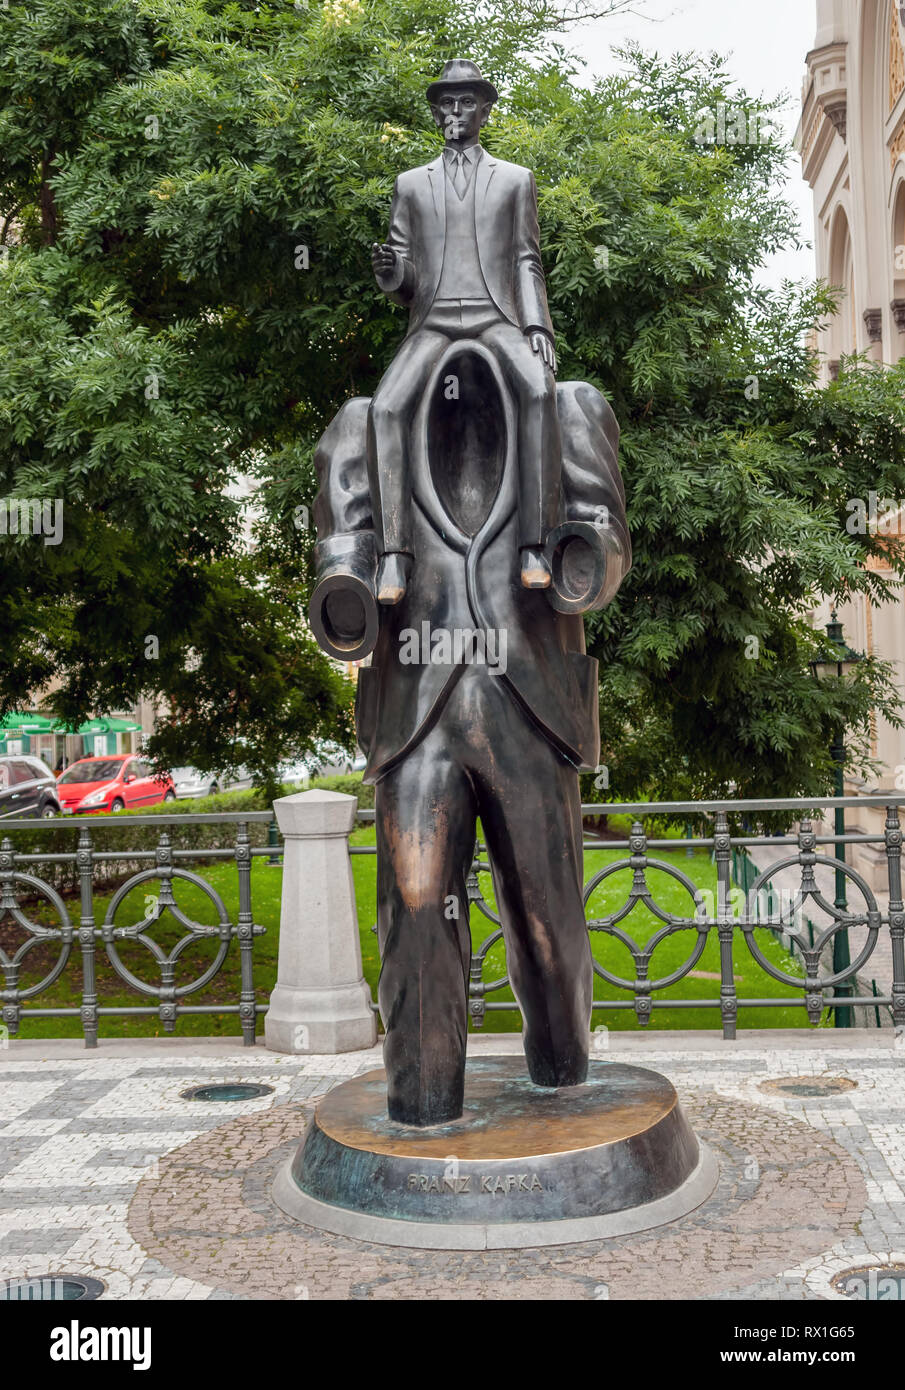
(48, 202)
(6, 222)
(579, 11)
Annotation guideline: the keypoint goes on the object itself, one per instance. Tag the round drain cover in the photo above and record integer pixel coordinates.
(872, 1283)
(47, 1288)
(229, 1090)
(808, 1087)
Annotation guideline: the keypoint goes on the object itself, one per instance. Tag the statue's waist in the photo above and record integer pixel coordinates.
(462, 318)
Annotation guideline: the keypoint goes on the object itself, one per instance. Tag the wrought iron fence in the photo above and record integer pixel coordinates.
(22, 891)
(786, 912)
(745, 902)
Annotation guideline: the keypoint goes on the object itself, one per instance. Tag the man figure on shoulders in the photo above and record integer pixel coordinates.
(463, 254)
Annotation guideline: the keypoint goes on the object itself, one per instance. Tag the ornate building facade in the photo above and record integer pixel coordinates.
(852, 144)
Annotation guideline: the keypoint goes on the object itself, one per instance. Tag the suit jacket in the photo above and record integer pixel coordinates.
(472, 582)
(507, 235)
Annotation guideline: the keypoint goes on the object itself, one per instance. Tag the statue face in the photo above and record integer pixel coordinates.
(460, 112)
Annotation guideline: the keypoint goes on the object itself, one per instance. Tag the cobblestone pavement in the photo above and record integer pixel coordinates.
(106, 1170)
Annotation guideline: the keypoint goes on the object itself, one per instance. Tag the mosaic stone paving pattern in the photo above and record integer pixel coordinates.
(106, 1170)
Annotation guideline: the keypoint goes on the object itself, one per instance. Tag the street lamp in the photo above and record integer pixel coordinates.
(837, 661)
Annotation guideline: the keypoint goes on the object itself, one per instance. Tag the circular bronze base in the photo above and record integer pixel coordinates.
(523, 1166)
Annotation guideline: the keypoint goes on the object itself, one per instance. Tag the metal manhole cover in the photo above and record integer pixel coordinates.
(47, 1288)
(872, 1283)
(230, 1090)
(807, 1087)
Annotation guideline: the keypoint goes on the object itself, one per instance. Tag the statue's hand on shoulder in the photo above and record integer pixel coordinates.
(542, 344)
(383, 259)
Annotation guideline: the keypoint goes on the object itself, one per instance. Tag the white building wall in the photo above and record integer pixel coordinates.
(852, 144)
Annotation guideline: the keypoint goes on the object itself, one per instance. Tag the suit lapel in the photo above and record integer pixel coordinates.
(484, 174)
(484, 230)
(432, 235)
(434, 244)
(437, 180)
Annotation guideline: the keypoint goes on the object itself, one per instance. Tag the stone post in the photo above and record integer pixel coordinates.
(321, 1002)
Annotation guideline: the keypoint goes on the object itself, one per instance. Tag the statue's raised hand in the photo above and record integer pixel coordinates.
(383, 258)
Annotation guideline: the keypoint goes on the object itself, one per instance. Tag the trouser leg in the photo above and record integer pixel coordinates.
(531, 818)
(425, 843)
(389, 420)
(539, 442)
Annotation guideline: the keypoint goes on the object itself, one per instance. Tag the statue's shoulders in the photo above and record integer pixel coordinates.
(410, 178)
(513, 175)
(413, 176)
(516, 171)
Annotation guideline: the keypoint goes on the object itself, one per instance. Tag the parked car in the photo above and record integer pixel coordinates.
(188, 781)
(328, 759)
(111, 784)
(293, 774)
(27, 788)
(332, 760)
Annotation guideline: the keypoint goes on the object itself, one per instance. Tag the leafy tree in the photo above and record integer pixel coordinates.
(738, 468)
(188, 191)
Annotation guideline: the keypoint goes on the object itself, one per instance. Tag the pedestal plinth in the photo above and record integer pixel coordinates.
(523, 1165)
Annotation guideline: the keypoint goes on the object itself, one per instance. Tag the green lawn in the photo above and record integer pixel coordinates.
(751, 981)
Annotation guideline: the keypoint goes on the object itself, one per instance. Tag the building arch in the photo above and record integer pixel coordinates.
(870, 54)
(843, 330)
(897, 260)
(895, 53)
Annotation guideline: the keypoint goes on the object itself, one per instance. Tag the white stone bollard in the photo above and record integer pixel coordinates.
(321, 1002)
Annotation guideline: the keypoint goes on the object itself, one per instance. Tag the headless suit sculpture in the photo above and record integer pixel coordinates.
(467, 516)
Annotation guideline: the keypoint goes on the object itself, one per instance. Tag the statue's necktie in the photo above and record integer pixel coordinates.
(460, 178)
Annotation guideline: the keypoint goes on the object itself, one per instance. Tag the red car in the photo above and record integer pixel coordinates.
(111, 784)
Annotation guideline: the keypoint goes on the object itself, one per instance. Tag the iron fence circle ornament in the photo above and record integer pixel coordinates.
(479, 955)
(785, 922)
(195, 931)
(227, 1091)
(51, 1288)
(641, 893)
(475, 892)
(37, 933)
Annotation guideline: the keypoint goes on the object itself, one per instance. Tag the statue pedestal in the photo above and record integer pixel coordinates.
(523, 1166)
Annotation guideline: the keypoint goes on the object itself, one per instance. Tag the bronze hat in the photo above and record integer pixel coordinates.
(461, 72)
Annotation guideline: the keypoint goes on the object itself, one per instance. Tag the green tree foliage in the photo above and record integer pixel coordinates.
(189, 190)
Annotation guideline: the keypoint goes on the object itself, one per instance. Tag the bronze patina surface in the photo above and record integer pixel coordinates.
(521, 1156)
(504, 1114)
(469, 513)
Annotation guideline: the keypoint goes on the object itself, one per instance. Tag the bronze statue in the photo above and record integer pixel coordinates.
(467, 516)
(463, 255)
